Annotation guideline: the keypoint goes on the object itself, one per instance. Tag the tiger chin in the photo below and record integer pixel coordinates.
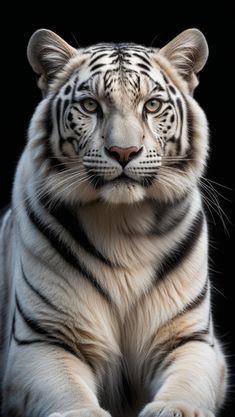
(105, 290)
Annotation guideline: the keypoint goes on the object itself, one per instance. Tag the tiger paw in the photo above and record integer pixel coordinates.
(173, 409)
(83, 412)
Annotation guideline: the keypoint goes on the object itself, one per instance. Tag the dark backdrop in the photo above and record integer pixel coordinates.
(144, 24)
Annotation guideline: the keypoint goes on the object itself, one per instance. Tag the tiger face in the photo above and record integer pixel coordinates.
(120, 123)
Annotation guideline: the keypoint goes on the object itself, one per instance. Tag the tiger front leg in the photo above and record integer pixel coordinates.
(192, 383)
(44, 380)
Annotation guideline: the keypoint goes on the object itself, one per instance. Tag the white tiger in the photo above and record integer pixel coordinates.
(105, 294)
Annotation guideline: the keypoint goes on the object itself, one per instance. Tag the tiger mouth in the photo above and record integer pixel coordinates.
(124, 178)
(100, 181)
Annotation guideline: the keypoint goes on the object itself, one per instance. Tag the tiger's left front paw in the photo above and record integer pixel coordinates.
(173, 409)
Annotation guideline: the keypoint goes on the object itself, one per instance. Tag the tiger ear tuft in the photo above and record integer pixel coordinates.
(48, 54)
(188, 53)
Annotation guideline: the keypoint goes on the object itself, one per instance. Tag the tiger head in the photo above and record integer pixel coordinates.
(118, 122)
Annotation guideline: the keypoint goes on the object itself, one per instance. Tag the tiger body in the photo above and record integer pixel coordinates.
(105, 294)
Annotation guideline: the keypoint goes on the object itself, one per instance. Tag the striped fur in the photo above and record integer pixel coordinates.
(105, 293)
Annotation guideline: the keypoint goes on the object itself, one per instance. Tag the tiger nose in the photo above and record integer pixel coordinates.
(123, 155)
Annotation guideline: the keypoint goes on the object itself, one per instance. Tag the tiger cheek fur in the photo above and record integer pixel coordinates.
(104, 277)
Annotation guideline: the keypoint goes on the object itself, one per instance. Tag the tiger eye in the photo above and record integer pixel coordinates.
(90, 105)
(152, 105)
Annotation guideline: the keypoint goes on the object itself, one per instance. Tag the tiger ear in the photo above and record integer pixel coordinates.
(188, 53)
(48, 54)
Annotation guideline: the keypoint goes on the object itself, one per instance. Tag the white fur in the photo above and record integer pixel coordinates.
(137, 324)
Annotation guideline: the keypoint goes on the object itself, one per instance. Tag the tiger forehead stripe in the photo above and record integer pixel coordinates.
(120, 54)
(132, 61)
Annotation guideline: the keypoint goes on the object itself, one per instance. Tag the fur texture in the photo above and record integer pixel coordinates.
(105, 293)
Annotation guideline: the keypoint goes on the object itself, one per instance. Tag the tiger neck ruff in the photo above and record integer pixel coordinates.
(105, 294)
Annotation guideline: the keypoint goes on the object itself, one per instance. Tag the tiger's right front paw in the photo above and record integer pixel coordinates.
(83, 412)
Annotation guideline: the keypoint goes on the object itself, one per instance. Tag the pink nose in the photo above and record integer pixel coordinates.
(123, 155)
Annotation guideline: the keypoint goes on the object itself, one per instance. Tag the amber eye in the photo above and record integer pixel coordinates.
(153, 105)
(90, 105)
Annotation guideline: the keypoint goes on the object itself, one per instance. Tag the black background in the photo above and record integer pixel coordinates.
(146, 24)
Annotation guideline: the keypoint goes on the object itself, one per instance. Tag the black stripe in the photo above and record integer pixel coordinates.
(67, 90)
(50, 339)
(36, 327)
(114, 54)
(102, 48)
(157, 88)
(126, 54)
(108, 83)
(97, 66)
(58, 119)
(48, 119)
(32, 323)
(39, 294)
(198, 300)
(64, 251)
(163, 213)
(28, 342)
(194, 337)
(172, 89)
(190, 123)
(72, 224)
(23, 341)
(147, 75)
(165, 77)
(135, 83)
(166, 109)
(192, 152)
(142, 58)
(180, 107)
(199, 336)
(58, 113)
(115, 61)
(183, 249)
(66, 103)
(75, 82)
(48, 153)
(84, 86)
(96, 73)
(145, 67)
(96, 58)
